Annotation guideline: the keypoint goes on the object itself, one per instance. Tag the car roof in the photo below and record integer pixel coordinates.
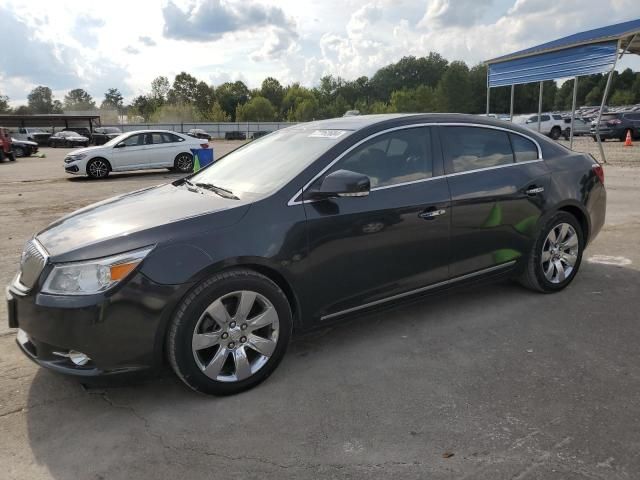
(153, 131)
(364, 121)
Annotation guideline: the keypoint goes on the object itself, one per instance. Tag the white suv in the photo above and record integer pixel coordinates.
(551, 124)
(138, 150)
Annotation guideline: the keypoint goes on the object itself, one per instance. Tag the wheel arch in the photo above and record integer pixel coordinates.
(581, 215)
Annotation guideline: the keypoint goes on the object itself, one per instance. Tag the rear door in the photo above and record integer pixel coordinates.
(159, 149)
(498, 185)
(395, 240)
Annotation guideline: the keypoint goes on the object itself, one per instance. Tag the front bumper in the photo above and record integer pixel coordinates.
(121, 331)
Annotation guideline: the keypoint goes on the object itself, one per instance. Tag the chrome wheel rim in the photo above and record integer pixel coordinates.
(98, 168)
(235, 336)
(184, 163)
(560, 253)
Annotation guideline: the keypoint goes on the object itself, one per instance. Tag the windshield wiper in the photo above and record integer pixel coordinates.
(223, 192)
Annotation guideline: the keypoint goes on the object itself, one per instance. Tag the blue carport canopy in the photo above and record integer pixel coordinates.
(584, 53)
(571, 62)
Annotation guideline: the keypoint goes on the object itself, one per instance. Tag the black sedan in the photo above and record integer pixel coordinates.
(302, 227)
(199, 133)
(67, 139)
(23, 148)
(102, 135)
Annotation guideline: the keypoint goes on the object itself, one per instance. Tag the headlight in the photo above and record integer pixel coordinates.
(73, 158)
(94, 276)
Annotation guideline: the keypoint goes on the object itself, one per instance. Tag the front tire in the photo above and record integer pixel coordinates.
(230, 333)
(555, 133)
(556, 255)
(98, 168)
(19, 152)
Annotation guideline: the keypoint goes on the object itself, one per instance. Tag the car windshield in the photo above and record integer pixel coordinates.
(264, 165)
(111, 130)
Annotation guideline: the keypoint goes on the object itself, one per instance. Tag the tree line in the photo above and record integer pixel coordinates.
(413, 84)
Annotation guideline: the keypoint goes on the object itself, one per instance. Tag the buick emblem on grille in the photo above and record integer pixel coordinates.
(32, 263)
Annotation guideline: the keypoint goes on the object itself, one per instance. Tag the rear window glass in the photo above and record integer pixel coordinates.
(524, 149)
(473, 148)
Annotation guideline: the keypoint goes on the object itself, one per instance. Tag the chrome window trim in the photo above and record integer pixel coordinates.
(293, 201)
(418, 290)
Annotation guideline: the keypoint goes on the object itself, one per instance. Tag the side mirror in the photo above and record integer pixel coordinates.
(342, 183)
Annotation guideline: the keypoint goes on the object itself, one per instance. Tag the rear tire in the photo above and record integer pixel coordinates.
(183, 163)
(555, 256)
(98, 168)
(230, 333)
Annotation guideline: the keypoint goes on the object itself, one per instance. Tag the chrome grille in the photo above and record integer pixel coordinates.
(32, 263)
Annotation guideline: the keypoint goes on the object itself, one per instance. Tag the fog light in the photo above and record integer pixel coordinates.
(78, 358)
(23, 338)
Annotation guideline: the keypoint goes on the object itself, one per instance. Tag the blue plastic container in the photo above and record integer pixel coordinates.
(205, 156)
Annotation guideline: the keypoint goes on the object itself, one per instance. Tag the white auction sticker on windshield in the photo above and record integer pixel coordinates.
(328, 133)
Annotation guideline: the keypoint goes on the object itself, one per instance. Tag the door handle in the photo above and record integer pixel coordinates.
(532, 191)
(429, 214)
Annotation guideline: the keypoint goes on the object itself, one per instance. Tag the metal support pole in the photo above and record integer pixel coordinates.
(540, 107)
(488, 98)
(511, 105)
(573, 110)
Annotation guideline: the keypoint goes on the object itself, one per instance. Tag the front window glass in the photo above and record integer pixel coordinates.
(133, 140)
(395, 157)
(266, 164)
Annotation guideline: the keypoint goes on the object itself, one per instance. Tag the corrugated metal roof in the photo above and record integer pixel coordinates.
(621, 31)
(570, 62)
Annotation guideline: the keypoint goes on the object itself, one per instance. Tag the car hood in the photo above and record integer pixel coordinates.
(24, 142)
(134, 220)
(85, 150)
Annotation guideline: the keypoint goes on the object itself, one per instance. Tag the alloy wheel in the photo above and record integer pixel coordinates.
(184, 163)
(560, 253)
(98, 169)
(235, 336)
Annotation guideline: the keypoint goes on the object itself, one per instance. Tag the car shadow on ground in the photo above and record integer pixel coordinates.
(160, 173)
(496, 372)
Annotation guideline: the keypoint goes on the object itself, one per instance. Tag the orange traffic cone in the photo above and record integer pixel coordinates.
(627, 142)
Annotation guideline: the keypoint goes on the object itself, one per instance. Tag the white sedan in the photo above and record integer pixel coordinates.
(138, 150)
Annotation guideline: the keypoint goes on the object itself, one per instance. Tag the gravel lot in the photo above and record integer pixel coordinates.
(493, 382)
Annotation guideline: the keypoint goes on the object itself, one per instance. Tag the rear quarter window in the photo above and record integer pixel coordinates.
(524, 150)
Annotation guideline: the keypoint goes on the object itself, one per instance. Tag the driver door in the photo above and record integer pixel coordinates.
(391, 242)
(130, 153)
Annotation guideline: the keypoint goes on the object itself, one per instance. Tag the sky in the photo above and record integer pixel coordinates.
(126, 44)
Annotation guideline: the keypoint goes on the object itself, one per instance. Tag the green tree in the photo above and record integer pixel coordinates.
(216, 114)
(622, 97)
(230, 95)
(421, 99)
(4, 104)
(205, 98)
(453, 93)
(143, 106)
(594, 97)
(304, 111)
(159, 89)
(272, 90)
(78, 99)
(184, 89)
(112, 99)
(176, 112)
(40, 100)
(258, 109)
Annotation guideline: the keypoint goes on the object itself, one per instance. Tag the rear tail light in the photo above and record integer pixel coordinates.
(204, 145)
(599, 171)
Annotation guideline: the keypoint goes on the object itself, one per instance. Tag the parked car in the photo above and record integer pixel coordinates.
(551, 124)
(295, 230)
(259, 133)
(581, 127)
(83, 131)
(139, 150)
(67, 139)
(235, 135)
(102, 135)
(24, 148)
(32, 134)
(6, 148)
(199, 133)
(616, 125)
